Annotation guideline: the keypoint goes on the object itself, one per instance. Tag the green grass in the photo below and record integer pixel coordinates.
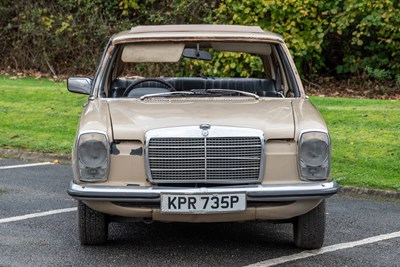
(39, 115)
(365, 141)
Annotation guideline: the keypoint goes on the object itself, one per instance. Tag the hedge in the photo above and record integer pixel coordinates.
(332, 37)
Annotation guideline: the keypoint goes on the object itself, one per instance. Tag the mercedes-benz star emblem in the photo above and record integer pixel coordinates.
(205, 128)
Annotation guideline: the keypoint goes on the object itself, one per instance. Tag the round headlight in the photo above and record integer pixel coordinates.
(92, 153)
(314, 152)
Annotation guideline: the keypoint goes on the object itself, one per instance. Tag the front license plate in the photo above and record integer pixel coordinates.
(202, 203)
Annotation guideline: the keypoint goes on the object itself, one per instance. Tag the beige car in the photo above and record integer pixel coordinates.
(162, 139)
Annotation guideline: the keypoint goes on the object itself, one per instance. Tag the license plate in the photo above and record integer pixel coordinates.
(202, 203)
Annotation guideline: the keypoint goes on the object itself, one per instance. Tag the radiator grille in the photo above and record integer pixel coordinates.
(212, 159)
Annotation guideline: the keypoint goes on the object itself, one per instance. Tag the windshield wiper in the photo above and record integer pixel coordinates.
(167, 94)
(234, 91)
(199, 92)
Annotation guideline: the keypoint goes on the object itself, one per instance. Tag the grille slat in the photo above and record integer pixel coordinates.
(212, 159)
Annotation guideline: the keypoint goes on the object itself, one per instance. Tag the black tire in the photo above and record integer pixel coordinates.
(309, 228)
(93, 226)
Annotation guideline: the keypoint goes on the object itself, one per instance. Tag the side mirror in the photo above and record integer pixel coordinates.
(79, 85)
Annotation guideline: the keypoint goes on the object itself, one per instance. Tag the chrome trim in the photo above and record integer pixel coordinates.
(196, 132)
(275, 192)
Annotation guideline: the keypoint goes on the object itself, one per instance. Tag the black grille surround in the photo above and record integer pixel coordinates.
(210, 159)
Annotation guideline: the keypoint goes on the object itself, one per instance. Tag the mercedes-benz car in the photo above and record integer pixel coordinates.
(199, 124)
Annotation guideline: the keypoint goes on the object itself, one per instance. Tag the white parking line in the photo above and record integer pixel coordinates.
(25, 165)
(315, 252)
(35, 215)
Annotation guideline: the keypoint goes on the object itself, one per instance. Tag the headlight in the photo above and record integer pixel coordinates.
(93, 156)
(314, 155)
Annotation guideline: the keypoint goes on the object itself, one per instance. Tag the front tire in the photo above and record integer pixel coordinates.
(93, 226)
(309, 228)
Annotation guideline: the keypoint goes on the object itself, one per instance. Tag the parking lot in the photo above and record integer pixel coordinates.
(38, 226)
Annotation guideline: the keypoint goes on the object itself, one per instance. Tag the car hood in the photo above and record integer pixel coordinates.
(132, 118)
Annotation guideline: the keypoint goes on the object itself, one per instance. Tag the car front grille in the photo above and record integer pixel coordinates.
(233, 159)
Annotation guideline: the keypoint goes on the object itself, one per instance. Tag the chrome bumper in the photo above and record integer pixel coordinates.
(256, 193)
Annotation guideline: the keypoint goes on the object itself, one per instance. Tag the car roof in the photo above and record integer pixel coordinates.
(196, 31)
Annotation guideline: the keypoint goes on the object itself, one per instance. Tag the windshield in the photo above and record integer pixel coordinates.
(229, 68)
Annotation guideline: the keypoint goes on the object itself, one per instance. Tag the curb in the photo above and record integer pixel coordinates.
(369, 193)
(66, 159)
(35, 156)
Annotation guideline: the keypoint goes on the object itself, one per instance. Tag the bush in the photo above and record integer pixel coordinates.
(334, 36)
(303, 24)
(57, 36)
(372, 29)
(341, 37)
(68, 36)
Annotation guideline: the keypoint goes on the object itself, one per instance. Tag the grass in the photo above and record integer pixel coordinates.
(40, 115)
(365, 141)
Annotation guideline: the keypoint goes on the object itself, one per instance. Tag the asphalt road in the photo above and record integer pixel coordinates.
(31, 238)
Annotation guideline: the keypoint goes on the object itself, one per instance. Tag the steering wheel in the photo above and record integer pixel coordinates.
(131, 86)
